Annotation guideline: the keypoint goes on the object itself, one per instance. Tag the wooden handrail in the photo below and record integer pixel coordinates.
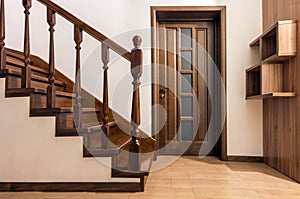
(135, 57)
(87, 28)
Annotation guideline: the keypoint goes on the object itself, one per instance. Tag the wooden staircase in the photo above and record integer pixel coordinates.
(77, 112)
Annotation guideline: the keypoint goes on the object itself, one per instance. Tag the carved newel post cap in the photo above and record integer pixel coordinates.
(137, 40)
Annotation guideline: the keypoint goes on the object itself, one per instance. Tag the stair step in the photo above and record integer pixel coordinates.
(23, 92)
(35, 77)
(14, 53)
(55, 111)
(18, 92)
(117, 141)
(127, 174)
(3, 73)
(20, 64)
(75, 131)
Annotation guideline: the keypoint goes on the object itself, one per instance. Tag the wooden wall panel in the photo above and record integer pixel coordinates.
(281, 128)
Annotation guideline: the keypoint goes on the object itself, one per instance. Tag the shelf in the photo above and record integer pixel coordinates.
(278, 58)
(273, 94)
(265, 80)
(278, 43)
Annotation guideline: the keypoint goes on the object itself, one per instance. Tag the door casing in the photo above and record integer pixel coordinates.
(192, 13)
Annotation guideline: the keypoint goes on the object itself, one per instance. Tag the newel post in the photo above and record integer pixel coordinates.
(51, 90)
(26, 71)
(136, 71)
(2, 37)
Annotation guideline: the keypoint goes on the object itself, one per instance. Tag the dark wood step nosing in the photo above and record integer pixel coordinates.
(109, 152)
(128, 174)
(17, 92)
(3, 73)
(55, 111)
(71, 186)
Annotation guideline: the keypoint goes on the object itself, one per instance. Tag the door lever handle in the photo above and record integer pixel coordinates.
(162, 92)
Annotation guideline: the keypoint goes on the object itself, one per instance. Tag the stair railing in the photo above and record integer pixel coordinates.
(135, 57)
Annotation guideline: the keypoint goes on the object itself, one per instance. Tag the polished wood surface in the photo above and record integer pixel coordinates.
(278, 42)
(266, 80)
(136, 72)
(197, 178)
(105, 60)
(51, 101)
(171, 76)
(280, 115)
(26, 83)
(77, 104)
(217, 12)
(72, 187)
(91, 129)
(53, 94)
(87, 28)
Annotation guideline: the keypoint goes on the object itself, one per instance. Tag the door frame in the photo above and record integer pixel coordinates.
(199, 12)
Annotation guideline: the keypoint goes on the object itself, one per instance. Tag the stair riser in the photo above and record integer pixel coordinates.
(94, 140)
(120, 161)
(39, 101)
(19, 69)
(15, 82)
(66, 120)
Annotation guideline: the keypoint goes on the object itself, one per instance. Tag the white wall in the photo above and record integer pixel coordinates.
(121, 20)
(30, 152)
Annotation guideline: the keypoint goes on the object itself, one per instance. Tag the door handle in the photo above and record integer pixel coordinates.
(162, 93)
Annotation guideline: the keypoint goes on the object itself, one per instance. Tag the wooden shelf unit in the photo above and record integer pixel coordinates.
(265, 80)
(278, 43)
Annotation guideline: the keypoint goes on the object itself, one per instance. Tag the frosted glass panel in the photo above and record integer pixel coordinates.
(186, 60)
(186, 83)
(186, 106)
(186, 35)
(187, 130)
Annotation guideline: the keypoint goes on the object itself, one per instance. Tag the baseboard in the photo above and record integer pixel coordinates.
(232, 158)
(72, 186)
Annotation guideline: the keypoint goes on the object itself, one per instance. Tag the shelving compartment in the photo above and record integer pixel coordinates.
(265, 80)
(278, 43)
(253, 81)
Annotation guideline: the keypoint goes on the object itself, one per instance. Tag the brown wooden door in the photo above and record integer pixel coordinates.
(186, 49)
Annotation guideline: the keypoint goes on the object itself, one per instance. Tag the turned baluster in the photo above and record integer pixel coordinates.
(136, 71)
(77, 105)
(26, 71)
(51, 90)
(105, 127)
(2, 37)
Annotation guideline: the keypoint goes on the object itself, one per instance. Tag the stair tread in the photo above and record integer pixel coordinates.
(27, 91)
(115, 145)
(87, 129)
(128, 174)
(13, 53)
(35, 77)
(61, 110)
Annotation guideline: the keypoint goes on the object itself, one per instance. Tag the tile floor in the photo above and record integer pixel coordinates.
(195, 178)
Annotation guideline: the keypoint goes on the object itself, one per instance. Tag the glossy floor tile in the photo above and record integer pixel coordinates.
(197, 178)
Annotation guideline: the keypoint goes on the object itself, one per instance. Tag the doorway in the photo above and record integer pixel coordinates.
(186, 40)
